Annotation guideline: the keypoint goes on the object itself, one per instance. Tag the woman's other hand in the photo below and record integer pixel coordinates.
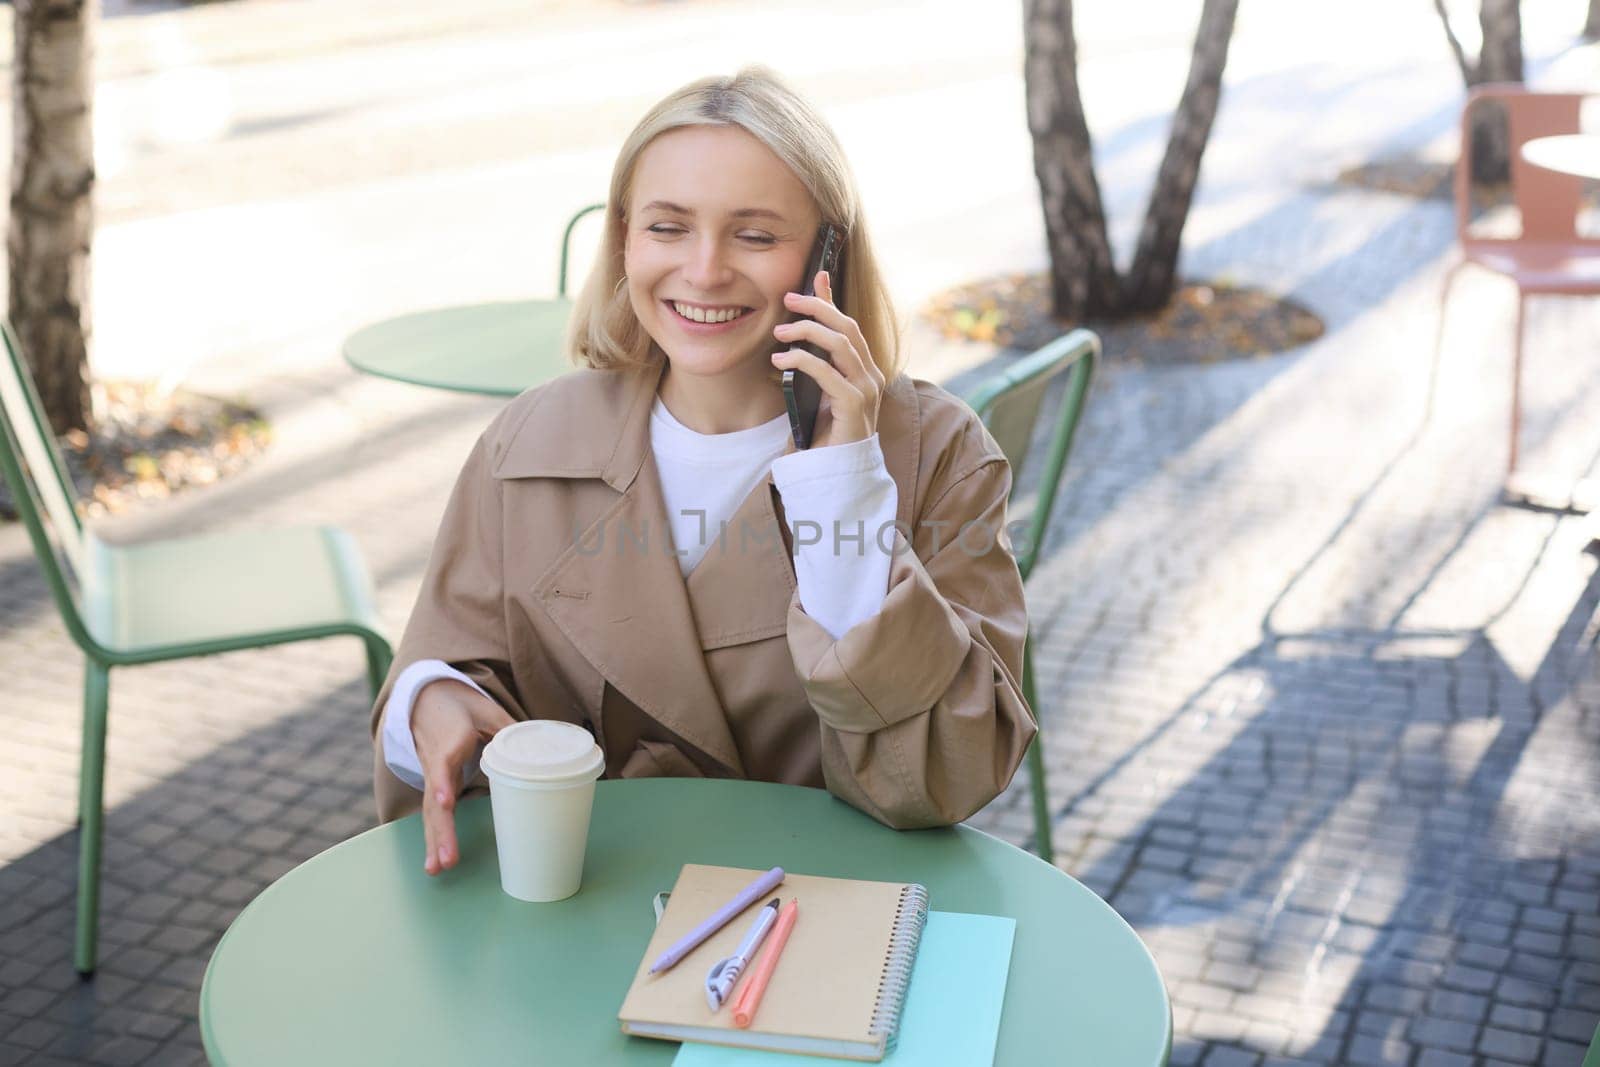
(852, 385)
(448, 722)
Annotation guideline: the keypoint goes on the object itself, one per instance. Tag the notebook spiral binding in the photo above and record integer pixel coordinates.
(909, 919)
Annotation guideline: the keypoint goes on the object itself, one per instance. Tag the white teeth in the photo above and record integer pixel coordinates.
(703, 315)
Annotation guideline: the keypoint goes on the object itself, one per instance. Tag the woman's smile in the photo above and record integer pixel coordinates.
(701, 319)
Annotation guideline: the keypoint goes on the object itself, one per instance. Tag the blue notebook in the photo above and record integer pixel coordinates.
(952, 1009)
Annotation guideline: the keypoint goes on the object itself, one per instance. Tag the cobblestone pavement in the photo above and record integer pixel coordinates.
(1322, 714)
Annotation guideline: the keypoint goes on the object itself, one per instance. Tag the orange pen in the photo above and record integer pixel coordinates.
(744, 1007)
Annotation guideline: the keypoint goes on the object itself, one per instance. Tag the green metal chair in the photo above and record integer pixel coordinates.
(164, 600)
(1009, 405)
(1592, 1057)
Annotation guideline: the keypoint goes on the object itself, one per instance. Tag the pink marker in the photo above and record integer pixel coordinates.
(720, 918)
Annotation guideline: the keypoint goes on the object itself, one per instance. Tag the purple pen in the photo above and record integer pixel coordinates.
(746, 897)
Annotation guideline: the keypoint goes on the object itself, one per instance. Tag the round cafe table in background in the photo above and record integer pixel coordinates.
(1576, 154)
(357, 956)
(496, 349)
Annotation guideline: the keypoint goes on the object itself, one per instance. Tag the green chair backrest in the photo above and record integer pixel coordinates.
(1009, 406)
(566, 243)
(41, 487)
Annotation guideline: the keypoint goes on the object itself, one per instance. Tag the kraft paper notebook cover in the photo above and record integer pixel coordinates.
(953, 1008)
(838, 989)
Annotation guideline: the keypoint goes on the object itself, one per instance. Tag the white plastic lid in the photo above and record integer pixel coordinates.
(545, 751)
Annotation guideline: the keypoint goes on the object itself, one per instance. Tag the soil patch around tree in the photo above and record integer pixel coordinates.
(147, 446)
(1428, 179)
(1404, 175)
(1205, 322)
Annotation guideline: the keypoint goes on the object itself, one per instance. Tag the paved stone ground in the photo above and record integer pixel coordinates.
(1323, 715)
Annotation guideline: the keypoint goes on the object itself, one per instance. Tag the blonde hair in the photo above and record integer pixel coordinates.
(603, 331)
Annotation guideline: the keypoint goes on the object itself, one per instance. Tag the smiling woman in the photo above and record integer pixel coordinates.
(638, 548)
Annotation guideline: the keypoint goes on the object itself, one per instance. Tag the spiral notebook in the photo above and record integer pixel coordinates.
(838, 989)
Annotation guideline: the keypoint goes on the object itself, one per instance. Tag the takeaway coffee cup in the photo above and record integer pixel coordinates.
(541, 787)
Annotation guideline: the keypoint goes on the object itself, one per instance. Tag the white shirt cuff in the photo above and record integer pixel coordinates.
(840, 502)
(399, 746)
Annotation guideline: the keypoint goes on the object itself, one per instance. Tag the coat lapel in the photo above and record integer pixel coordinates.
(617, 591)
(740, 590)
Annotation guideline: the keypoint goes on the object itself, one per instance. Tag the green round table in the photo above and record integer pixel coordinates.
(496, 349)
(357, 956)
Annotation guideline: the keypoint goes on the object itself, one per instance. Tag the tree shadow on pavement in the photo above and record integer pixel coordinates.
(1390, 839)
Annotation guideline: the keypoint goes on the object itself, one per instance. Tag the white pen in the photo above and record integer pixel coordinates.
(720, 980)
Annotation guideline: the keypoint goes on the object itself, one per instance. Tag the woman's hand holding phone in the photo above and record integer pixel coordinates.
(852, 385)
(448, 722)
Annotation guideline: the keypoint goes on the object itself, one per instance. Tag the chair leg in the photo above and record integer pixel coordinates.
(1516, 390)
(91, 814)
(379, 657)
(1036, 777)
(1041, 801)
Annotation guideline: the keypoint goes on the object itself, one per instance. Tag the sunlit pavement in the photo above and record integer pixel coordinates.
(1322, 715)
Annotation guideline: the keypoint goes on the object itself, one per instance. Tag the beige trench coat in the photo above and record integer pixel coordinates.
(553, 585)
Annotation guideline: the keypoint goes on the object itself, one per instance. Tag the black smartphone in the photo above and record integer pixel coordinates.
(801, 393)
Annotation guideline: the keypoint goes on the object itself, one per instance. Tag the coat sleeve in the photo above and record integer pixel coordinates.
(459, 615)
(923, 720)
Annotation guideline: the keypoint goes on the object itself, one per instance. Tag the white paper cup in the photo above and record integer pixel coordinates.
(541, 786)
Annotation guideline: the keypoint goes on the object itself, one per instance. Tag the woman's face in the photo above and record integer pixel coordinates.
(719, 230)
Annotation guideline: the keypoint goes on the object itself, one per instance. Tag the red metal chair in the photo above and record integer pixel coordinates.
(1548, 257)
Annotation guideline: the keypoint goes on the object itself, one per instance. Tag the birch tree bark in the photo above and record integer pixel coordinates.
(1085, 282)
(1152, 278)
(1501, 57)
(1083, 278)
(1499, 60)
(52, 192)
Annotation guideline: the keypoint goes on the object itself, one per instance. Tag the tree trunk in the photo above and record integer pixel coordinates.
(1591, 26)
(1456, 49)
(1501, 58)
(52, 186)
(1083, 278)
(1499, 61)
(1153, 277)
